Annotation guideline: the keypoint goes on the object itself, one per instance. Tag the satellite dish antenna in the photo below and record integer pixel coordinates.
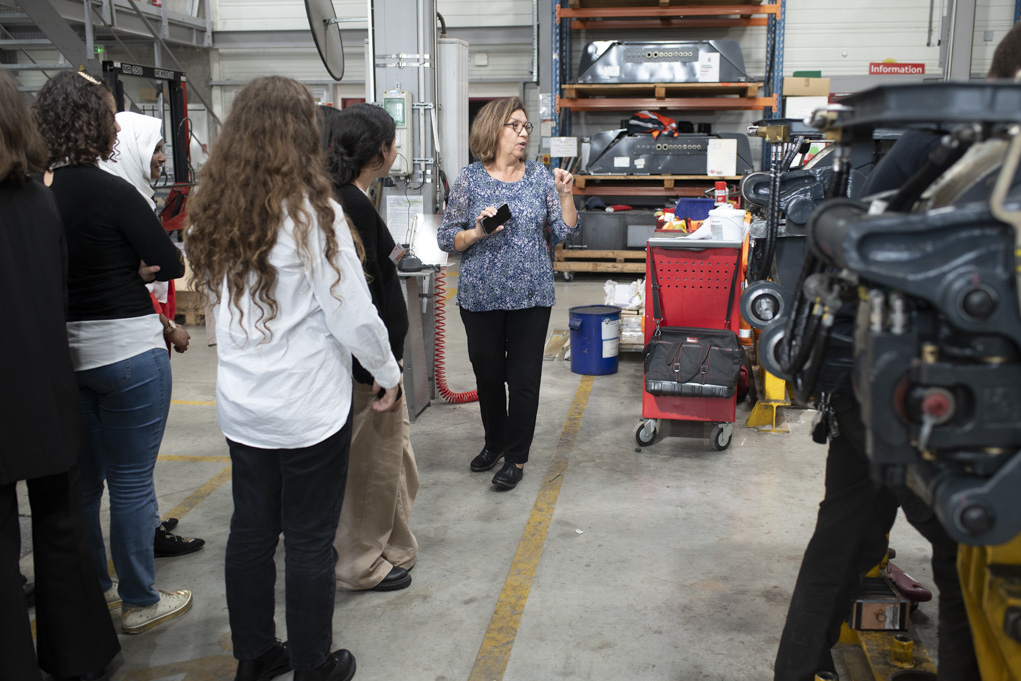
(322, 19)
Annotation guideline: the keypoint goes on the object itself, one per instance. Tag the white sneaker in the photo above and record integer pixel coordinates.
(170, 605)
(113, 599)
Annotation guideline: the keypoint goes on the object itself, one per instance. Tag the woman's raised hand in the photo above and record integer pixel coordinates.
(563, 181)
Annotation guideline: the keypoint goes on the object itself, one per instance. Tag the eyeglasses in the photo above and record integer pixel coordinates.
(517, 125)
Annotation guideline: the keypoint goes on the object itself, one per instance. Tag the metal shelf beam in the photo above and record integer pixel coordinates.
(675, 23)
(691, 11)
(676, 103)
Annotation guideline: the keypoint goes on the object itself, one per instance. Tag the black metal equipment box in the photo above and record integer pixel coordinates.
(702, 61)
(614, 152)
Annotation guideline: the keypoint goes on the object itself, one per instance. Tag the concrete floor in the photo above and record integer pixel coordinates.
(674, 563)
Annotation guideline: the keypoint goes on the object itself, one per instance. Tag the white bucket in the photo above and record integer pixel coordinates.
(727, 223)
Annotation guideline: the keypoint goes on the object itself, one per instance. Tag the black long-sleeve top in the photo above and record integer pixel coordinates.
(384, 285)
(109, 228)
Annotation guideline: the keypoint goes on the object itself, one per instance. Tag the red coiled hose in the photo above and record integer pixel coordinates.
(438, 369)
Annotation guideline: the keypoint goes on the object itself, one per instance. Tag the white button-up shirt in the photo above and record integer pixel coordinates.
(293, 388)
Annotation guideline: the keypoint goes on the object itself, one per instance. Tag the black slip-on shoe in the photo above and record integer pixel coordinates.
(396, 580)
(486, 459)
(509, 476)
(274, 662)
(339, 666)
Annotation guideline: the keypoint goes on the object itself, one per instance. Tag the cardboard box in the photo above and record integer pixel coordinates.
(806, 87)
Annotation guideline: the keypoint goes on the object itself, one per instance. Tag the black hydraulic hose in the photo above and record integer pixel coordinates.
(792, 151)
(796, 328)
(804, 382)
(800, 344)
(838, 181)
(773, 218)
(949, 151)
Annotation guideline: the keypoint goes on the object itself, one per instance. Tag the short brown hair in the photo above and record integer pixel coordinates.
(484, 137)
(74, 117)
(22, 149)
(1007, 55)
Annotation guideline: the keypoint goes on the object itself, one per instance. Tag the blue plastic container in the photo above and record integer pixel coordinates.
(693, 209)
(595, 339)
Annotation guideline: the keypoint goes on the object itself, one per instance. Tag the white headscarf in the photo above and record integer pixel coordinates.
(131, 161)
(136, 143)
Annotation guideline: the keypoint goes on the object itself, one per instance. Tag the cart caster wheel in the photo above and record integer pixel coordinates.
(568, 276)
(645, 433)
(721, 435)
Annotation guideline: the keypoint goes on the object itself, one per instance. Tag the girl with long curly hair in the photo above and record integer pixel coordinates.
(273, 251)
(116, 340)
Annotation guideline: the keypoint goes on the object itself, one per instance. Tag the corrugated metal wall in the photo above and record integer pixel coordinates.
(838, 38)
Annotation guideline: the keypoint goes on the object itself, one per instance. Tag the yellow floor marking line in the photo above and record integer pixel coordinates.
(199, 495)
(197, 403)
(494, 654)
(193, 499)
(201, 459)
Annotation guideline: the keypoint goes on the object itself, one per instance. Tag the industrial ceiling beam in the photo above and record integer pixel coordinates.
(60, 33)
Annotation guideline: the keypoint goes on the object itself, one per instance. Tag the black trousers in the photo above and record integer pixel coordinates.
(849, 539)
(73, 627)
(505, 349)
(297, 492)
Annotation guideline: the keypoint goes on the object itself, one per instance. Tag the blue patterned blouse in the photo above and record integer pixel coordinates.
(509, 270)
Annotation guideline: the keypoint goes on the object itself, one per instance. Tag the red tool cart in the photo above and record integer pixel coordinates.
(695, 282)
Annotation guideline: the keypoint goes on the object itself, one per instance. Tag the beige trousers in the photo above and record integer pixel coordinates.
(382, 479)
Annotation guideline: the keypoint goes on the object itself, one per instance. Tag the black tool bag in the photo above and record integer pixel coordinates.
(692, 362)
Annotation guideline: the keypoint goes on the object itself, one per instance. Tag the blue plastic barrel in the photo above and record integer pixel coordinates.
(693, 209)
(595, 339)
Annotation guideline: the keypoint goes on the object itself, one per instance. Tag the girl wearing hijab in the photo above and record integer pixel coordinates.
(137, 158)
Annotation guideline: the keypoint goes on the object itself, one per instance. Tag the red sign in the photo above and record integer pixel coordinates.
(884, 68)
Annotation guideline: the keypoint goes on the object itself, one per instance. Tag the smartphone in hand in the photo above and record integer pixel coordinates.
(503, 214)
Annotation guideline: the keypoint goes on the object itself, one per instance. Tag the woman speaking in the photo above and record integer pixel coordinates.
(505, 288)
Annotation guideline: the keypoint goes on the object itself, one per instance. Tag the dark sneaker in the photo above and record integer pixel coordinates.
(170, 544)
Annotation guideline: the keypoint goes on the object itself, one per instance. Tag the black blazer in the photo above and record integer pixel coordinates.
(40, 417)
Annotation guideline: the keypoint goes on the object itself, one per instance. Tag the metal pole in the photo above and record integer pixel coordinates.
(370, 67)
(962, 36)
(90, 39)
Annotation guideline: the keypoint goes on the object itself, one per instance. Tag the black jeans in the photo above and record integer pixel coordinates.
(849, 539)
(299, 492)
(505, 349)
(74, 632)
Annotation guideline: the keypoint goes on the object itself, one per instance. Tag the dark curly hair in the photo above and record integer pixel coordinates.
(354, 138)
(74, 116)
(22, 150)
(267, 164)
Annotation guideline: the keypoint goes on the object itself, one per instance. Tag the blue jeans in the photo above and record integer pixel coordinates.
(125, 407)
(299, 492)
